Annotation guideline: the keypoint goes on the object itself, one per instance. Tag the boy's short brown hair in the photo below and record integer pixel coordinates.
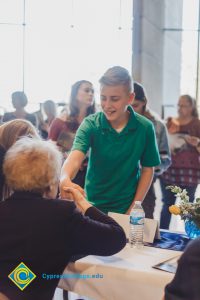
(117, 76)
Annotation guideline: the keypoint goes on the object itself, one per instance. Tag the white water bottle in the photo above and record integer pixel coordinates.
(137, 216)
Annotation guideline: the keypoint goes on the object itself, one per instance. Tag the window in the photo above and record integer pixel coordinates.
(65, 41)
(181, 53)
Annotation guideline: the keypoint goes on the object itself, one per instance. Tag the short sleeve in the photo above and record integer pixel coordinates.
(83, 138)
(150, 156)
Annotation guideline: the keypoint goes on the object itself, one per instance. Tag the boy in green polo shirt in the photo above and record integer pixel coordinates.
(123, 149)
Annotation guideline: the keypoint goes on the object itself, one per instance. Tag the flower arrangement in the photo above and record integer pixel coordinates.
(187, 210)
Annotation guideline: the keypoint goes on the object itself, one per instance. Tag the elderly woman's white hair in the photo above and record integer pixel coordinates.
(32, 165)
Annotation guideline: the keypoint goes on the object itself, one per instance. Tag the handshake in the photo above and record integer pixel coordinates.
(73, 192)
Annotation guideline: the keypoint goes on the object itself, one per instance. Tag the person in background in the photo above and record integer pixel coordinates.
(184, 138)
(119, 141)
(10, 132)
(1, 114)
(19, 101)
(81, 105)
(42, 231)
(50, 110)
(185, 284)
(64, 113)
(140, 106)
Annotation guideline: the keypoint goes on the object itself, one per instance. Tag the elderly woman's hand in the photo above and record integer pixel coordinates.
(67, 183)
(78, 198)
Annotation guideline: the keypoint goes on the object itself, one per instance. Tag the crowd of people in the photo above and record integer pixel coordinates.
(61, 175)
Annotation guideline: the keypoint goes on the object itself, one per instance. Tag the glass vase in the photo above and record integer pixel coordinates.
(191, 229)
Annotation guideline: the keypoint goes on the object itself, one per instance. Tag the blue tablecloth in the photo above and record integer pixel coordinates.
(171, 241)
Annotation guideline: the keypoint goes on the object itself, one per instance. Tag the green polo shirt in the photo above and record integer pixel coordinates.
(115, 158)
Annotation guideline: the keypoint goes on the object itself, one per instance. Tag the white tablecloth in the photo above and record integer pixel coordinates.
(127, 275)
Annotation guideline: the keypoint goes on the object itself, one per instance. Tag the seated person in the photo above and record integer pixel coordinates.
(44, 232)
(19, 101)
(48, 109)
(185, 285)
(10, 132)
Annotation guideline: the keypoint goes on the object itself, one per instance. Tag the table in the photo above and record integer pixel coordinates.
(127, 275)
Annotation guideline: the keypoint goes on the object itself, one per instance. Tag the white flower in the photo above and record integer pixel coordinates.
(187, 198)
(179, 195)
(184, 192)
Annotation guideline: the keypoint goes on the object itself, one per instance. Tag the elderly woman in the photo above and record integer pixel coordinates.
(43, 232)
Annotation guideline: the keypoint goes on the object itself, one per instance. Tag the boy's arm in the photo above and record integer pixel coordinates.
(69, 170)
(143, 185)
(74, 161)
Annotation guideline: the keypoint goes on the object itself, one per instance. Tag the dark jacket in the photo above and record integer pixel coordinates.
(2, 179)
(44, 234)
(11, 116)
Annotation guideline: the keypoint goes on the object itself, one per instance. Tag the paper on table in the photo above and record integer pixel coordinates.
(169, 265)
(151, 229)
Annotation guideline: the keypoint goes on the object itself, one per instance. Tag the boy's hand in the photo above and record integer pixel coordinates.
(67, 183)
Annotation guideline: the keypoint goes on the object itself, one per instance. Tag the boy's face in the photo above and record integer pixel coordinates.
(114, 101)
